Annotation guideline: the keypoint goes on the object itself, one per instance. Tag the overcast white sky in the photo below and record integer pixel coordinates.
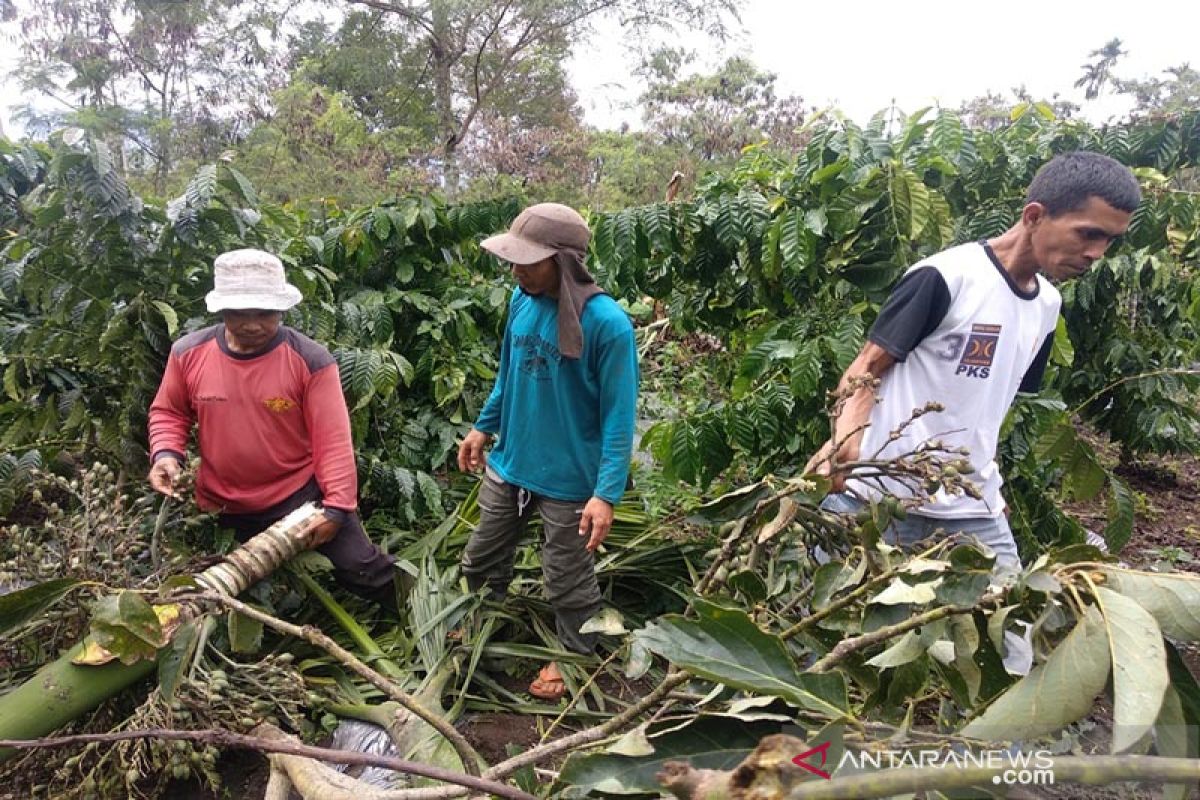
(862, 55)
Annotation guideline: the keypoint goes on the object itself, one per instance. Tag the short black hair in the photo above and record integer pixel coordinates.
(1067, 181)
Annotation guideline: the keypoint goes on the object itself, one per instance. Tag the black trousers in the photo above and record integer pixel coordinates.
(358, 564)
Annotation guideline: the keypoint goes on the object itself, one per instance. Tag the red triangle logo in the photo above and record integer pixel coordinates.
(821, 749)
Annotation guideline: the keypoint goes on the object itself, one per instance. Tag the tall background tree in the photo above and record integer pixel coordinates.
(1175, 91)
(478, 51)
(359, 100)
(711, 117)
(146, 75)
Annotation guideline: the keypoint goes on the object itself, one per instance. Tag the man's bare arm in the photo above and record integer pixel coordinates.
(848, 427)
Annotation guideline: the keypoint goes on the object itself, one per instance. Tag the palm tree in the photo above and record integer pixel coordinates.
(1098, 73)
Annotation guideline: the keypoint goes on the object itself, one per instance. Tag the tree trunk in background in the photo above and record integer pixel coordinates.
(443, 57)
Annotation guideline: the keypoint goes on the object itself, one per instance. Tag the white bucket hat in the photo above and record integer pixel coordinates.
(250, 279)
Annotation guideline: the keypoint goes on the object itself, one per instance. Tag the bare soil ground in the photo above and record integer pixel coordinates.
(1167, 503)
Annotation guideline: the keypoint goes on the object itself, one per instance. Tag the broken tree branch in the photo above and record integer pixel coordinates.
(223, 738)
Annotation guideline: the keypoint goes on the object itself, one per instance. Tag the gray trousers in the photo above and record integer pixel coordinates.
(567, 567)
(993, 532)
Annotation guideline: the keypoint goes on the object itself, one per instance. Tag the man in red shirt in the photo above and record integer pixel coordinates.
(272, 424)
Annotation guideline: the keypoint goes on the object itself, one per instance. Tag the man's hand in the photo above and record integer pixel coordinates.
(325, 532)
(163, 475)
(471, 457)
(854, 414)
(596, 522)
(819, 463)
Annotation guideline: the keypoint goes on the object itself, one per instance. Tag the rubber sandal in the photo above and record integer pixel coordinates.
(549, 684)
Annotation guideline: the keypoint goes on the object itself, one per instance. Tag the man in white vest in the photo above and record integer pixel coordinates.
(968, 328)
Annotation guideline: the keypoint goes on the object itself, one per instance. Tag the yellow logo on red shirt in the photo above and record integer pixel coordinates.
(279, 404)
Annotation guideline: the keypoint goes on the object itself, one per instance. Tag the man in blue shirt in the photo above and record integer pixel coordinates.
(562, 414)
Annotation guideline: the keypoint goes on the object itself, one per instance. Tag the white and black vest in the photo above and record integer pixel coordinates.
(966, 336)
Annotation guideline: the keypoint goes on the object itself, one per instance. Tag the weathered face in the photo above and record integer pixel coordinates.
(539, 278)
(251, 328)
(1065, 246)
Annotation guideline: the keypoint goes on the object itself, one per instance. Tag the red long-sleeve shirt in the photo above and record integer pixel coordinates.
(267, 422)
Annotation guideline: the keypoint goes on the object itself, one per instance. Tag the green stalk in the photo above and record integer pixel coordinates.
(60, 692)
(381, 714)
(375, 656)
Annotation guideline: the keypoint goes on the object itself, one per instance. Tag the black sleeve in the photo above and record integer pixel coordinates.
(915, 308)
(1032, 381)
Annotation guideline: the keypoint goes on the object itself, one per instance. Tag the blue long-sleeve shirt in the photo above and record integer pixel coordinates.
(565, 425)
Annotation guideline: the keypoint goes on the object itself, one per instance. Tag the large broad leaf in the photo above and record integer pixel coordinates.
(725, 645)
(902, 593)
(730, 506)
(1057, 441)
(127, 627)
(1183, 682)
(810, 490)
(245, 634)
(170, 317)
(1139, 667)
(608, 622)
(176, 659)
(966, 642)
(1172, 598)
(750, 584)
(1169, 738)
(202, 187)
(17, 608)
(908, 648)
(1173, 739)
(1083, 476)
(1062, 352)
(1120, 514)
(911, 646)
(639, 660)
(833, 577)
(1054, 694)
(963, 588)
(710, 742)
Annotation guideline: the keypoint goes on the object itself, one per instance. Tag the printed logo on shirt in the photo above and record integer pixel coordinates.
(210, 398)
(535, 355)
(980, 351)
(279, 404)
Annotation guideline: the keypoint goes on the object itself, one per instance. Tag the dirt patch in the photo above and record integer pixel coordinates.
(493, 734)
(1166, 508)
(243, 774)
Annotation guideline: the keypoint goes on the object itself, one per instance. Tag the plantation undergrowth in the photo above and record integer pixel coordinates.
(720, 630)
